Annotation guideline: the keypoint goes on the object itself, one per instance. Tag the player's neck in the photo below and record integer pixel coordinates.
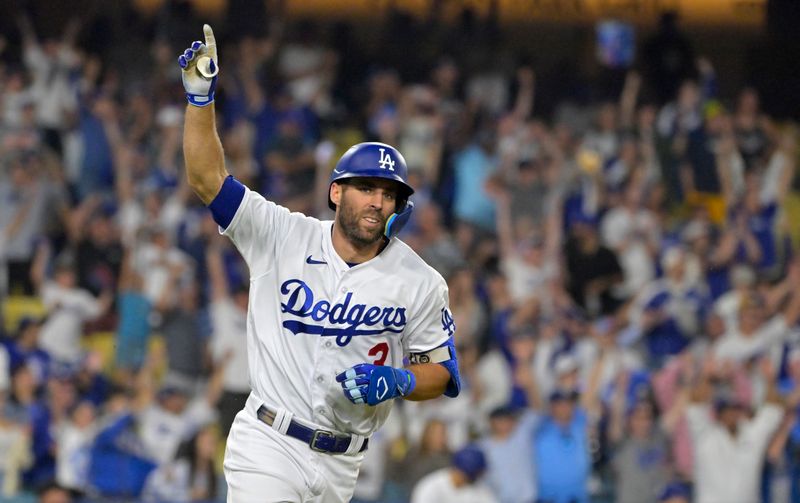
(350, 252)
(458, 479)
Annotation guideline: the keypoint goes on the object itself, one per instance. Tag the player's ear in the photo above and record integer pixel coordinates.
(335, 193)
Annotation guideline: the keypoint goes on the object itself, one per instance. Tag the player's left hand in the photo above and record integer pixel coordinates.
(199, 69)
(373, 384)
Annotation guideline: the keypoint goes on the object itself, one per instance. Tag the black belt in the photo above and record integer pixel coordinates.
(318, 440)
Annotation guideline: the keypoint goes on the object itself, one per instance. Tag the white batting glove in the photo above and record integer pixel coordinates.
(199, 69)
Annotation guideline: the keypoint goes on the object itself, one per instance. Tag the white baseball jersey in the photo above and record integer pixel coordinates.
(312, 316)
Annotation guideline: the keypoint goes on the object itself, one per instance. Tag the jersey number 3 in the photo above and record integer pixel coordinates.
(381, 349)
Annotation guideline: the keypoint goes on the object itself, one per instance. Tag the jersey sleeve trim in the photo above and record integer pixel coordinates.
(226, 203)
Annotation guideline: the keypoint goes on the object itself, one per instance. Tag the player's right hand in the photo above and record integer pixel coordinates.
(373, 384)
(199, 69)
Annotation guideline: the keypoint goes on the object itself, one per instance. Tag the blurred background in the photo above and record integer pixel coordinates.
(607, 186)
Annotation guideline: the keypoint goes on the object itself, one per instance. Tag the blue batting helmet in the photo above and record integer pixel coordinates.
(377, 160)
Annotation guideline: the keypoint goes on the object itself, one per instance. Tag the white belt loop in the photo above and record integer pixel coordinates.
(356, 441)
(283, 418)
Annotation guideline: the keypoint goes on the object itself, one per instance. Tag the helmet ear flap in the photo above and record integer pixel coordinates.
(396, 221)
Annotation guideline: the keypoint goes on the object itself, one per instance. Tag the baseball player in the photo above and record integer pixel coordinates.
(335, 310)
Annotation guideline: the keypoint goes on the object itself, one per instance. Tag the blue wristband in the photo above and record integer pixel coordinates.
(406, 382)
(200, 100)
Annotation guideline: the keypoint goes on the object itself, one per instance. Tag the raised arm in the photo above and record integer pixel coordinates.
(684, 377)
(778, 442)
(216, 383)
(127, 274)
(202, 151)
(785, 156)
(672, 416)
(791, 312)
(769, 375)
(628, 98)
(776, 295)
(202, 148)
(752, 248)
(216, 273)
(504, 222)
(523, 106)
(703, 388)
(590, 398)
(38, 271)
(78, 218)
(724, 159)
(777, 445)
(725, 250)
(616, 424)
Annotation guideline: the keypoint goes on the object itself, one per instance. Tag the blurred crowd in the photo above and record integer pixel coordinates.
(621, 269)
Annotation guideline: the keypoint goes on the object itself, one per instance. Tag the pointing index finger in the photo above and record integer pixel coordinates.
(211, 42)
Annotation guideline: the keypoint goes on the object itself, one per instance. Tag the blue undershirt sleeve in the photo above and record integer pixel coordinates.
(454, 385)
(224, 206)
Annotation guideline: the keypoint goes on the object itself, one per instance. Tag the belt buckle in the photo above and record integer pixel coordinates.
(317, 435)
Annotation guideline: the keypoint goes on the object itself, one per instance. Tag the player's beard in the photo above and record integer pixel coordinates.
(349, 220)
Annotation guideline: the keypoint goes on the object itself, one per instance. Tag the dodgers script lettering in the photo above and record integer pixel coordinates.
(343, 320)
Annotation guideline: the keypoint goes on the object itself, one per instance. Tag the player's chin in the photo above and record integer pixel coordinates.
(362, 232)
(370, 234)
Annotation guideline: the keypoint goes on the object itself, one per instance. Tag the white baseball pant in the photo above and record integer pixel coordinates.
(264, 466)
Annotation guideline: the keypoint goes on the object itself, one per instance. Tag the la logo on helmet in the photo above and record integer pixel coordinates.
(386, 161)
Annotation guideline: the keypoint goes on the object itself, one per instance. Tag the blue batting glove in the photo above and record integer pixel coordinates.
(373, 384)
(199, 69)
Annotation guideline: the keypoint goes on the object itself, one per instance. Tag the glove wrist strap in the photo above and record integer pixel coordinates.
(406, 382)
(200, 100)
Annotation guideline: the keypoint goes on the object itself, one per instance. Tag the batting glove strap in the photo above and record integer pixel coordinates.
(373, 384)
(406, 381)
(200, 100)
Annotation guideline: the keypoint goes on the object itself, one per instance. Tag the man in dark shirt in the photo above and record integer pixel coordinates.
(593, 270)
(99, 255)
